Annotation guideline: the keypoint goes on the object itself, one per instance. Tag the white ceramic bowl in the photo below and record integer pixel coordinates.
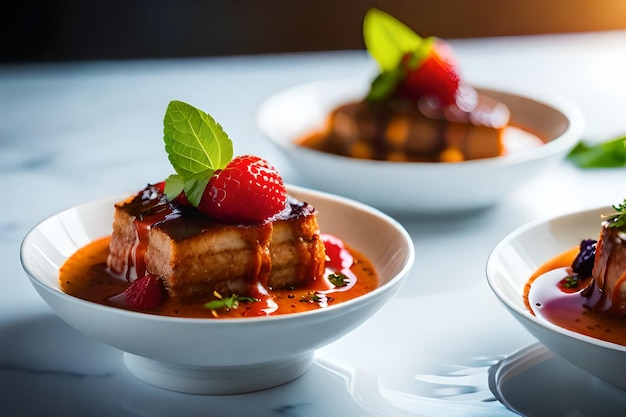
(222, 356)
(519, 255)
(409, 186)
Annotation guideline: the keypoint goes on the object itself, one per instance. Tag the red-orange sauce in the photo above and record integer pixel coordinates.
(568, 310)
(85, 275)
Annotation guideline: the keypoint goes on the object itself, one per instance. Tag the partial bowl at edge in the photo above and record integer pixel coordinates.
(519, 255)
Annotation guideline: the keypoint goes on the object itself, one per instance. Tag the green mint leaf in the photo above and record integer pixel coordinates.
(388, 39)
(610, 154)
(395, 47)
(174, 185)
(194, 141)
(417, 56)
(195, 185)
(385, 84)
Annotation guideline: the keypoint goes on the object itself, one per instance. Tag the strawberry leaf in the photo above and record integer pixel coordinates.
(194, 141)
(388, 39)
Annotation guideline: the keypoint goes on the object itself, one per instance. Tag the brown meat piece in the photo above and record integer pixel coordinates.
(195, 255)
(401, 130)
(609, 272)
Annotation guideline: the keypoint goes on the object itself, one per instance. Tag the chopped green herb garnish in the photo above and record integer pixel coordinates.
(610, 154)
(571, 281)
(311, 297)
(618, 219)
(338, 279)
(314, 297)
(228, 303)
(196, 146)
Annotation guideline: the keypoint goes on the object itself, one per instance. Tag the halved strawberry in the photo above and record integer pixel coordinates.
(338, 258)
(145, 293)
(247, 190)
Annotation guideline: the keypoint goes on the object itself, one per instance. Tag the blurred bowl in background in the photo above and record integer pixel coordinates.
(413, 187)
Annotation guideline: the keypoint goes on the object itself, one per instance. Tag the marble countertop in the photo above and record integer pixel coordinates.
(73, 132)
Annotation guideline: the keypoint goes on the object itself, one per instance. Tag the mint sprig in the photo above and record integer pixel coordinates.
(388, 41)
(196, 146)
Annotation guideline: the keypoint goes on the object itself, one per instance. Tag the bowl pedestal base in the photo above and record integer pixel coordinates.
(217, 380)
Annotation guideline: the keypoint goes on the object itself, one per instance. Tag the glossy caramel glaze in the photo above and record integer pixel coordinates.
(195, 255)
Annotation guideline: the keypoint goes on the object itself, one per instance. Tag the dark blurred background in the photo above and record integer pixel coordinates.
(60, 30)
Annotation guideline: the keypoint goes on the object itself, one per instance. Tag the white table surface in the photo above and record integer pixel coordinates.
(73, 132)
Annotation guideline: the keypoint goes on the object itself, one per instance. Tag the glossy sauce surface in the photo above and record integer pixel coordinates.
(545, 297)
(85, 275)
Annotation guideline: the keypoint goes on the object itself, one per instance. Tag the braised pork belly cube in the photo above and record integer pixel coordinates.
(296, 250)
(195, 255)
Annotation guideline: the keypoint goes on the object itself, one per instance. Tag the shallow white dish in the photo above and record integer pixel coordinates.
(224, 356)
(409, 186)
(519, 255)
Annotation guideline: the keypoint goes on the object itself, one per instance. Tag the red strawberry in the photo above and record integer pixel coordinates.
(182, 199)
(247, 190)
(337, 256)
(434, 76)
(145, 293)
(159, 187)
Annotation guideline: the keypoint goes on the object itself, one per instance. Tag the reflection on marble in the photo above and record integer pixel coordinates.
(48, 368)
(535, 372)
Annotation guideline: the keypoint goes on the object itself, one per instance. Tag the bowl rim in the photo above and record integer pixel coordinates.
(392, 285)
(565, 141)
(523, 313)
